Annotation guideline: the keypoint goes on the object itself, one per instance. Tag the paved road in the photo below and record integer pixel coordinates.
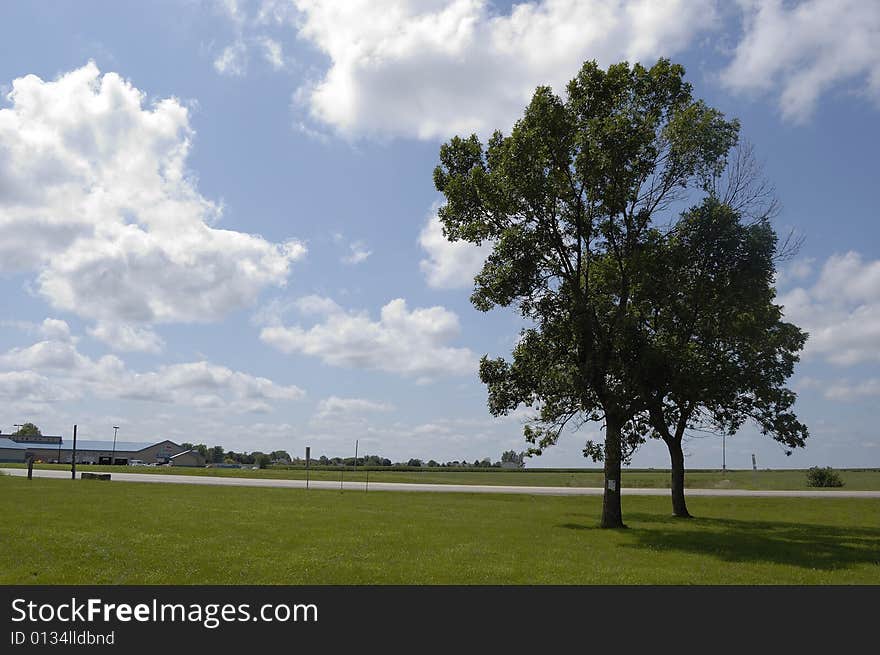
(444, 488)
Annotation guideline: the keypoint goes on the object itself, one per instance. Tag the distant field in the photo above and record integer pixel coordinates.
(854, 479)
(89, 532)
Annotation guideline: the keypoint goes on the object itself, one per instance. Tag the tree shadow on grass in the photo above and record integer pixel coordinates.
(805, 545)
(579, 526)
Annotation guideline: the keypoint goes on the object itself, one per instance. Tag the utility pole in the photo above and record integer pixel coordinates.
(723, 453)
(73, 457)
(113, 456)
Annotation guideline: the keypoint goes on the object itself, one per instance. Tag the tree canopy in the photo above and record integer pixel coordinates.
(714, 348)
(578, 204)
(28, 430)
(513, 457)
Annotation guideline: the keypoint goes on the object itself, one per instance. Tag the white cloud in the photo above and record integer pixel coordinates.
(127, 338)
(55, 329)
(431, 69)
(449, 264)
(795, 271)
(315, 305)
(358, 254)
(272, 52)
(96, 199)
(249, 23)
(848, 279)
(434, 69)
(208, 385)
(58, 356)
(432, 429)
(846, 390)
(233, 10)
(334, 407)
(31, 388)
(410, 343)
(275, 11)
(841, 311)
(69, 375)
(803, 50)
(232, 60)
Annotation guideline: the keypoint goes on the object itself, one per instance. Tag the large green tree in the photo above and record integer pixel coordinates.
(567, 201)
(28, 430)
(714, 349)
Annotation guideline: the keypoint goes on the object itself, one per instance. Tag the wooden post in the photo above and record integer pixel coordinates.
(73, 457)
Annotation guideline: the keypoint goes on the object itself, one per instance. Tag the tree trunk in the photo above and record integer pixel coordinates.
(679, 506)
(612, 516)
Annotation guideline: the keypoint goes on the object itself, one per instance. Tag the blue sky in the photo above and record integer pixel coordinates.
(216, 218)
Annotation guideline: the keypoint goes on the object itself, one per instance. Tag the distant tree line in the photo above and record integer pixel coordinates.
(515, 460)
(218, 455)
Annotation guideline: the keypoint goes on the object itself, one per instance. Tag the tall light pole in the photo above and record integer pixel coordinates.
(723, 454)
(113, 456)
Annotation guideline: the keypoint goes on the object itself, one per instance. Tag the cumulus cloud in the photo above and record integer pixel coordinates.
(846, 390)
(410, 343)
(127, 338)
(841, 310)
(795, 271)
(54, 369)
(29, 387)
(802, 50)
(335, 407)
(56, 330)
(449, 264)
(316, 305)
(95, 198)
(208, 385)
(430, 70)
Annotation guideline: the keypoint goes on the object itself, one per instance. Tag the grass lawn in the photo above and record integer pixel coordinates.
(857, 479)
(92, 532)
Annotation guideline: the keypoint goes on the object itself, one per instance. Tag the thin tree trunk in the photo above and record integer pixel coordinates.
(612, 516)
(679, 506)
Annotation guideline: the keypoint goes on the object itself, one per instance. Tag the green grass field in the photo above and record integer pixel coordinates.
(854, 479)
(91, 532)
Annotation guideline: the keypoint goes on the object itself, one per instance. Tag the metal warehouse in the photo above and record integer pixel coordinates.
(55, 450)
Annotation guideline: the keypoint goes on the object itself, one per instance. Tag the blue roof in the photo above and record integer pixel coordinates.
(9, 443)
(81, 444)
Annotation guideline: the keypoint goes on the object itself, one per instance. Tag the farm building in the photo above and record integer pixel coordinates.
(187, 458)
(88, 451)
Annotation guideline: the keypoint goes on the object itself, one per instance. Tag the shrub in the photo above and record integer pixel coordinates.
(823, 477)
